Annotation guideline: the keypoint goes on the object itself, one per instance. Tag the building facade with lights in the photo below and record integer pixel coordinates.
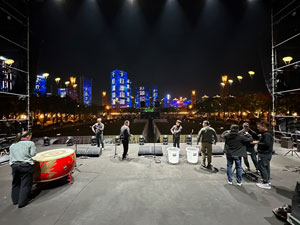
(119, 89)
(40, 87)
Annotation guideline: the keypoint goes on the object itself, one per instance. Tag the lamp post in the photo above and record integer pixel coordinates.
(45, 75)
(9, 62)
(240, 78)
(251, 73)
(287, 60)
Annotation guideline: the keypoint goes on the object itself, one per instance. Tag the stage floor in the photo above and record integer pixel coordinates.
(108, 191)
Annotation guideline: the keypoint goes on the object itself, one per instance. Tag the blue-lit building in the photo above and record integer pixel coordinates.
(167, 101)
(142, 98)
(40, 86)
(128, 93)
(119, 89)
(87, 91)
(155, 99)
(62, 92)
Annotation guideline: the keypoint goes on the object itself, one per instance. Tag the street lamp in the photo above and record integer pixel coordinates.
(46, 75)
(67, 83)
(74, 86)
(9, 61)
(287, 60)
(57, 79)
(222, 84)
(251, 73)
(230, 82)
(240, 78)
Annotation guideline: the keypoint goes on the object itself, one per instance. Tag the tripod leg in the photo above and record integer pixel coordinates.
(287, 153)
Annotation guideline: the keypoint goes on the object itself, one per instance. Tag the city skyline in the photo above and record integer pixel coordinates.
(177, 49)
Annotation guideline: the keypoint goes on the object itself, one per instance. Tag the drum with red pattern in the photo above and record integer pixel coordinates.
(53, 164)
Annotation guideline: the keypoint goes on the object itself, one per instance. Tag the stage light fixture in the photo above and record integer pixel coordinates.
(117, 140)
(188, 139)
(141, 140)
(287, 60)
(93, 141)
(165, 140)
(46, 141)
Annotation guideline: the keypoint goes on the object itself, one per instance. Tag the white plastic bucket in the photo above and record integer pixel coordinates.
(173, 155)
(192, 154)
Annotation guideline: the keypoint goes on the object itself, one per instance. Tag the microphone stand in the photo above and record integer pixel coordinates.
(192, 137)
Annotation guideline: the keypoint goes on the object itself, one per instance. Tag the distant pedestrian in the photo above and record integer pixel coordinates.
(125, 137)
(265, 150)
(176, 131)
(21, 153)
(207, 135)
(98, 129)
(235, 149)
(250, 147)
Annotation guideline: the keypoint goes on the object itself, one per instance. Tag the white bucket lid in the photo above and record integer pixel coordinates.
(192, 149)
(174, 149)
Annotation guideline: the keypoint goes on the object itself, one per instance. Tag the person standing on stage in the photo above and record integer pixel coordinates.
(235, 149)
(250, 147)
(208, 136)
(265, 150)
(176, 131)
(125, 136)
(21, 153)
(98, 129)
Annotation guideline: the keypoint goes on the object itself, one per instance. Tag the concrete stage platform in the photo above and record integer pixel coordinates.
(140, 191)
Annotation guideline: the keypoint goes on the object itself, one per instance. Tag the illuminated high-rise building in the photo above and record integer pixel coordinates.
(118, 89)
(155, 100)
(128, 93)
(142, 98)
(167, 101)
(40, 86)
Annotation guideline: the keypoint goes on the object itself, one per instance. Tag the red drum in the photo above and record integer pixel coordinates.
(54, 164)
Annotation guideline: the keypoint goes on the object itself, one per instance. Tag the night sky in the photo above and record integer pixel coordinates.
(178, 45)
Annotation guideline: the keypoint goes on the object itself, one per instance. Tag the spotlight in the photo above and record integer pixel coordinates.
(188, 139)
(46, 141)
(93, 141)
(141, 140)
(70, 141)
(165, 140)
(117, 140)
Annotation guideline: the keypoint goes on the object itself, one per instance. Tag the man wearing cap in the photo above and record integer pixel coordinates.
(250, 147)
(176, 131)
(208, 136)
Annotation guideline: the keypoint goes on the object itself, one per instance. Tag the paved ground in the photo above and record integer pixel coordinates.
(142, 192)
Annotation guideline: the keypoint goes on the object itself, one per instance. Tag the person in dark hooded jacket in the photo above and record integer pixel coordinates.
(235, 148)
(265, 150)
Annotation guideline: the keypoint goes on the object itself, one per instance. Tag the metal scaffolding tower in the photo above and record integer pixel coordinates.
(16, 12)
(285, 28)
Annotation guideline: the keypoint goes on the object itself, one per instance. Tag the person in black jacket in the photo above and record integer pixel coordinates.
(235, 148)
(265, 149)
(250, 147)
(125, 136)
